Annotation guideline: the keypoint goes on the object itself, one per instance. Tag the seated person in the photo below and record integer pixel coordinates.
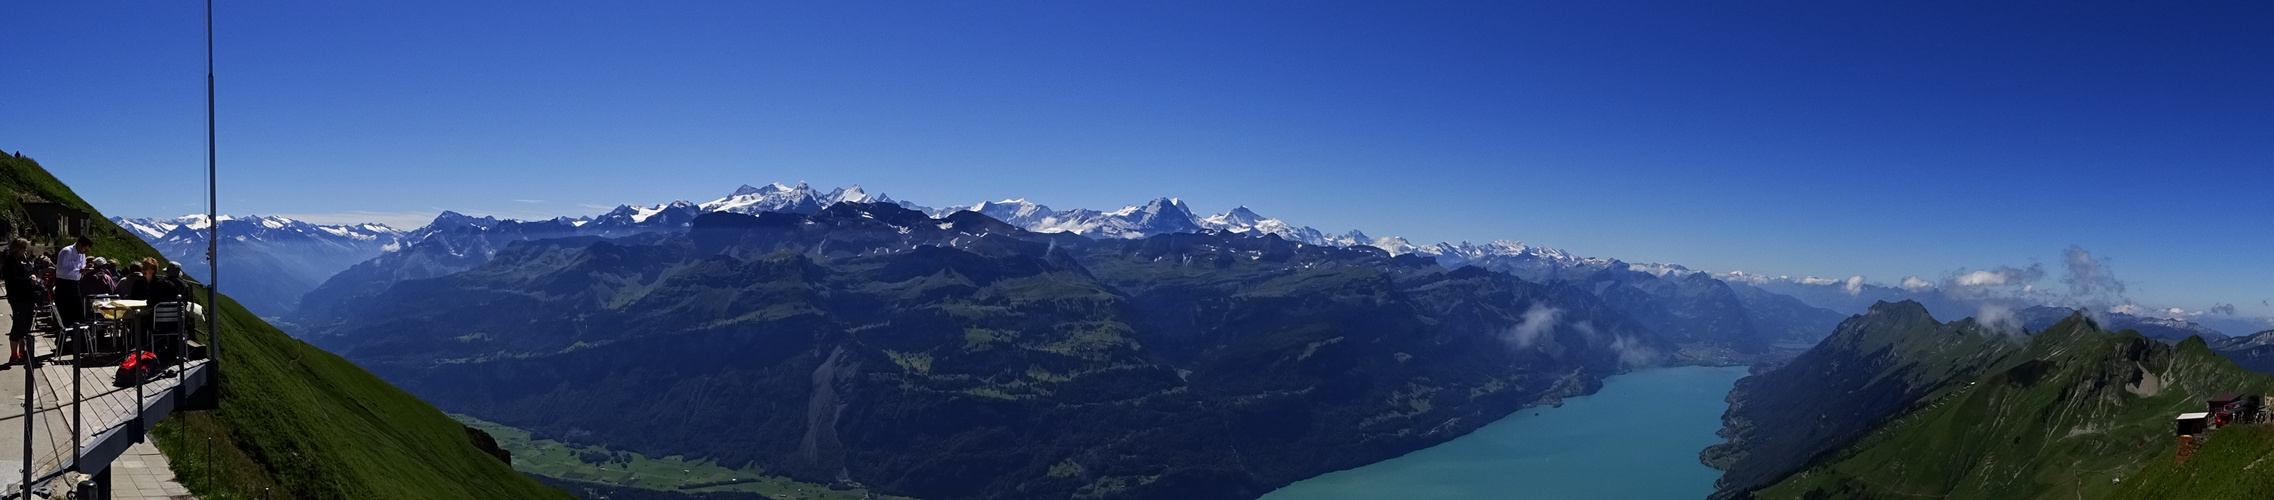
(155, 288)
(134, 278)
(97, 279)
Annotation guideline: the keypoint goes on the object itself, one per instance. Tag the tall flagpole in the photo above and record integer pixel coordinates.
(212, 207)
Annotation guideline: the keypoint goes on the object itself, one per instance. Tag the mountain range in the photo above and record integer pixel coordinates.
(290, 257)
(813, 317)
(964, 357)
(303, 256)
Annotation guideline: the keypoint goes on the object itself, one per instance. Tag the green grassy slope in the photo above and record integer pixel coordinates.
(295, 421)
(2233, 463)
(2066, 418)
(1873, 368)
(603, 465)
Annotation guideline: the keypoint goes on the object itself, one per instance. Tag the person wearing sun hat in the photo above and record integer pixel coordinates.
(98, 278)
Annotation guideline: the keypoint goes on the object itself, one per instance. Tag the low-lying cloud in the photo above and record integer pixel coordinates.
(1997, 282)
(1633, 352)
(1538, 320)
(1999, 317)
(1852, 284)
(2090, 281)
(1914, 284)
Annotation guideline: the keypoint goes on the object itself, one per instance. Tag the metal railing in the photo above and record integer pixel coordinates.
(117, 419)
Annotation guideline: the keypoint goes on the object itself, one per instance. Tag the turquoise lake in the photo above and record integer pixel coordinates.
(1638, 438)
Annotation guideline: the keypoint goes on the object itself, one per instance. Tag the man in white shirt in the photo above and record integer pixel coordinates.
(69, 262)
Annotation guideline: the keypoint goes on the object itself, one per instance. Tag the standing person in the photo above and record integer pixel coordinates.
(24, 294)
(69, 264)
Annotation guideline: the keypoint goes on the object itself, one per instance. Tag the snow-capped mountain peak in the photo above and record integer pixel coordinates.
(776, 197)
(153, 228)
(1240, 216)
(190, 231)
(1244, 220)
(850, 195)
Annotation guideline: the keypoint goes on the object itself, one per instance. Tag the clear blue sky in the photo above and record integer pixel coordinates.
(1823, 138)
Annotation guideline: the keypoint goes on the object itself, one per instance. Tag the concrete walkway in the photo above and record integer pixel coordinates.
(144, 474)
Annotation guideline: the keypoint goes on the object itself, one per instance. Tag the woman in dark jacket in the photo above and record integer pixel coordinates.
(24, 295)
(157, 287)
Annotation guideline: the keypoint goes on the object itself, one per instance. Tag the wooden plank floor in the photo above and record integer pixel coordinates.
(101, 408)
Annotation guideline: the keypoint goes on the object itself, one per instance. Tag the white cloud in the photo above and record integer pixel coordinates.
(2002, 281)
(1915, 284)
(1740, 276)
(1632, 353)
(1981, 278)
(1538, 320)
(1854, 285)
(1999, 317)
(2089, 279)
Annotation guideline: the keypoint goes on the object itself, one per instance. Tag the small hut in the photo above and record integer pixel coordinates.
(55, 219)
(2232, 408)
(2193, 423)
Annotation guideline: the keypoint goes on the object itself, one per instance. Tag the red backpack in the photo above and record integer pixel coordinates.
(137, 361)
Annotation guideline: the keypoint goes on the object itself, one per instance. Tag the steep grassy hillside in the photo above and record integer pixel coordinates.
(295, 421)
(2067, 417)
(1874, 367)
(2232, 464)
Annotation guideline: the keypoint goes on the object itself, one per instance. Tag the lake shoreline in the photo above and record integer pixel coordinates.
(1632, 438)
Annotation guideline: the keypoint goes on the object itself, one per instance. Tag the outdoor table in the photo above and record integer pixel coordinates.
(120, 308)
(126, 318)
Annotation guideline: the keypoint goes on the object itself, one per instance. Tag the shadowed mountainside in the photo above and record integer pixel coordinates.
(961, 357)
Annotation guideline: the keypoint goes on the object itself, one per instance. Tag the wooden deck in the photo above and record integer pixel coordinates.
(107, 419)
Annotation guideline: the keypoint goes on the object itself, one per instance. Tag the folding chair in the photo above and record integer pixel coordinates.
(169, 327)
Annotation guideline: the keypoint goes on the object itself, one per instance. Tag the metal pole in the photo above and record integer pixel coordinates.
(136, 348)
(31, 368)
(78, 401)
(212, 206)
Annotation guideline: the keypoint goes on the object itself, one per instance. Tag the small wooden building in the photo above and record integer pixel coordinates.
(2221, 401)
(2190, 424)
(2233, 408)
(54, 219)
